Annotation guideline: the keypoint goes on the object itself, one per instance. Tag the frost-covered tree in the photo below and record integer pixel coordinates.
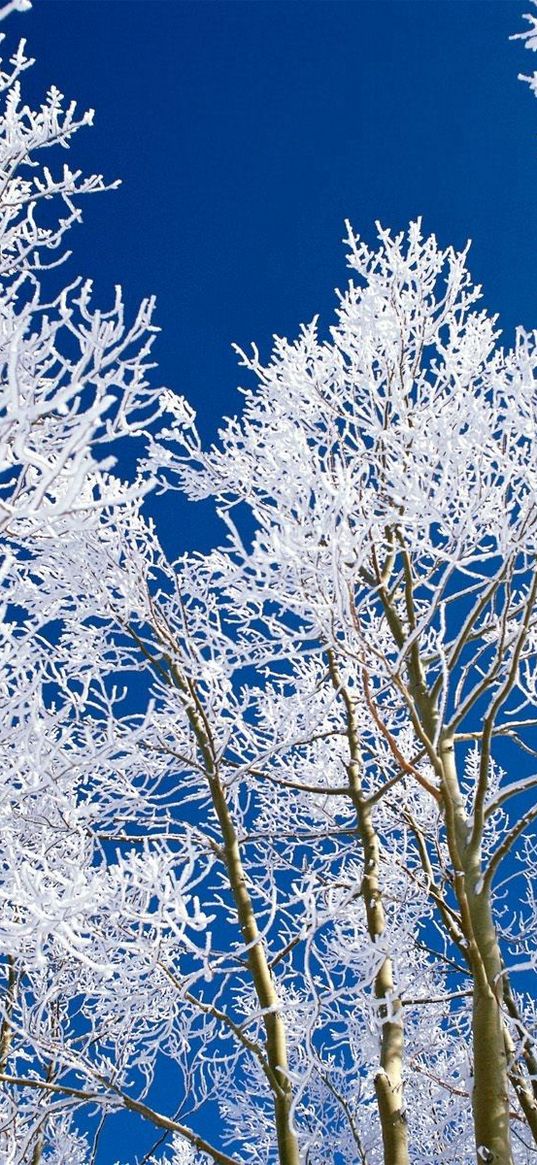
(390, 473)
(268, 871)
(74, 383)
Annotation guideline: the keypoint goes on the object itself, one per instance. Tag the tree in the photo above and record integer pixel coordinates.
(266, 813)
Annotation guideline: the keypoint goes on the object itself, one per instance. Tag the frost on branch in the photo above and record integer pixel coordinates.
(529, 36)
(278, 784)
(14, 6)
(74, 377)
(76, 910)
(410, 417)
(387, 598)
(255, 804)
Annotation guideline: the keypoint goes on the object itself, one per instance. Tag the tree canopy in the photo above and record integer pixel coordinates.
(268, 868)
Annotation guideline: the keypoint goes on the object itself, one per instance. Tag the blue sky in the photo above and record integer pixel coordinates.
(245, 131)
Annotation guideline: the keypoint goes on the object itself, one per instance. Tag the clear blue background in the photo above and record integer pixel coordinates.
(245, 132)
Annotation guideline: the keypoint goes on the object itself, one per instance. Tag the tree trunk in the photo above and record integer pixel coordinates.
(288, 1153)
(263, 982)
(490, 1095)
(389, 1078)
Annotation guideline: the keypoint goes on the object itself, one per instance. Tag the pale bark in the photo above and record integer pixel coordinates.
(490, 1094)
(389, 1078)
(276, 1039)
(263, 982)
(6, 1030)
(490, 1097)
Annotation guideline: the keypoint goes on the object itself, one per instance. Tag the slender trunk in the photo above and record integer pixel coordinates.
(39, 1145)
(6, 1030)
(490, 1095)
(276, 1039)
(263, 982)
(389, 1079)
